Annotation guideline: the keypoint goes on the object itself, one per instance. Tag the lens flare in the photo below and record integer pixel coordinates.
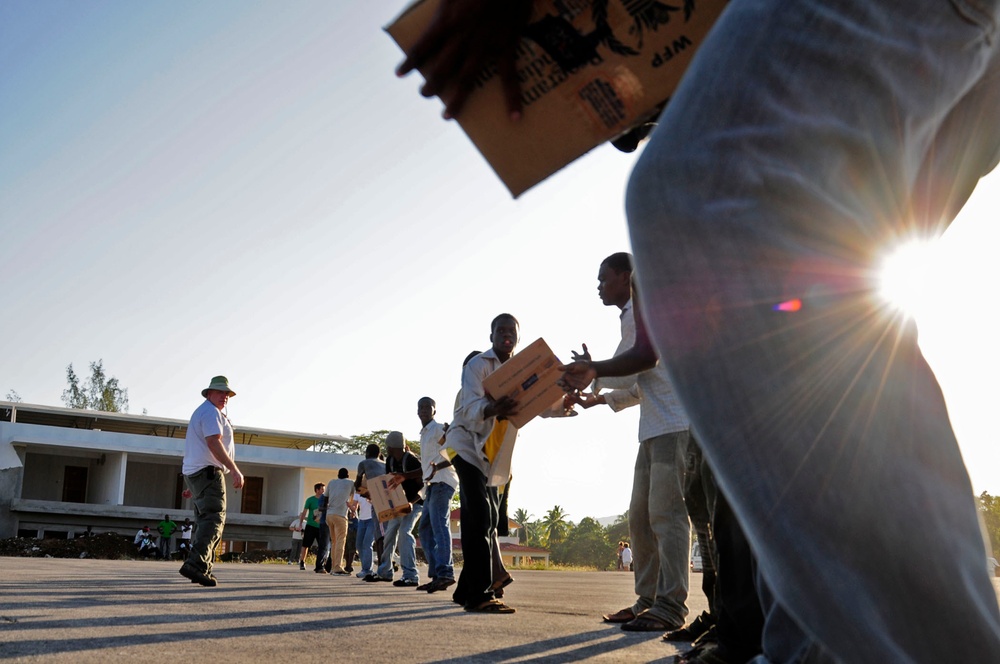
(904, 276)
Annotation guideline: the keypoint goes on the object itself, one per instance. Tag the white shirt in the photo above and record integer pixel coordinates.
(364, 507)
(627, 319)
(660, 412)
(431, 443)
(296, 528)
(207, 420)
(470, 428)
(626, 556)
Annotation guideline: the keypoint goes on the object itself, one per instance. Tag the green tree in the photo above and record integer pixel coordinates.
(100, 392)
(989, 507)
(586, 545)
(618, 531)
(522, 517)
(358, 443)
(554, 526)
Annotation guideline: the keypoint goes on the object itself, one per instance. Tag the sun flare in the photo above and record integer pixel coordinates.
(904, 276)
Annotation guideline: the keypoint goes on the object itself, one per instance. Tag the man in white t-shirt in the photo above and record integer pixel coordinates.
(435, 527)
(208, 456)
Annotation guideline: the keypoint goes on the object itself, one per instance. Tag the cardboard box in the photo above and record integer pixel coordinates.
(387, 503)
(589, 71)
(529, 378)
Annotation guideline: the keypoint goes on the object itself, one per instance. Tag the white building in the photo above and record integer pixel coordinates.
(63, 470)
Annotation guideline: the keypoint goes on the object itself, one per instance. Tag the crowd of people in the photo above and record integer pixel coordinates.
(802, 140)
(783, 413)
(161, 545)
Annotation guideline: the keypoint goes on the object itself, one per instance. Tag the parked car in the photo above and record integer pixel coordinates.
(696, 565)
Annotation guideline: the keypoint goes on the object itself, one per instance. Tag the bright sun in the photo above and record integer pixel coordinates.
(904, 277)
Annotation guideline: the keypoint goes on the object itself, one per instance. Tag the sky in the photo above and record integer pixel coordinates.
(246, 188)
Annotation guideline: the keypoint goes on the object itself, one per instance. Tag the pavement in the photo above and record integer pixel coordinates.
(72, 610)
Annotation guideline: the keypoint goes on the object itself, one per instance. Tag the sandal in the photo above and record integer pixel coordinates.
(492, 606)
(497, 588)
(623, 616)
(644, 622)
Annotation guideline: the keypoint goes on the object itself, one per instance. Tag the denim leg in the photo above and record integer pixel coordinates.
(803, 137)
(426, 533)
(322, 545)
(442, 532)
(209, 500)
(366, 537)
(408, 545)
(437, 516)
(389, 536)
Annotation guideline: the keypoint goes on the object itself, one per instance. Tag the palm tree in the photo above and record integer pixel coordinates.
(555, 526)
(523, 518)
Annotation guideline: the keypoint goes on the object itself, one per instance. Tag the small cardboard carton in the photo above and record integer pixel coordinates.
(589, 69)
(387, 503)
(529, 378)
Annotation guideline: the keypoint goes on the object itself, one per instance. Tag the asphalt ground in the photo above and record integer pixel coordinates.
(72, 610)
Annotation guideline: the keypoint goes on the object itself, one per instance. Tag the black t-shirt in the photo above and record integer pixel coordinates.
(407, 464)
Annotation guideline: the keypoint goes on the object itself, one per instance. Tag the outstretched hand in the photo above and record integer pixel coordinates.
(576, 375)
(582, 357)
(586, 399)
(463, 39)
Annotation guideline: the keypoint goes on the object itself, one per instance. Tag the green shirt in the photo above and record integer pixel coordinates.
(166, 528)
(312, 504)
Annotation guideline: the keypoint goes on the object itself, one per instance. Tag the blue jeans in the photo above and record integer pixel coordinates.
(435, 531)
(365, 539)
(401, 529)
(804, 136)
(659, 527)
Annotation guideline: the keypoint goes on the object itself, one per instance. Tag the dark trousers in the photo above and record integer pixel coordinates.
(696, 501)
(479, 514)
(323, 562)
(208, 487)
(739, 618)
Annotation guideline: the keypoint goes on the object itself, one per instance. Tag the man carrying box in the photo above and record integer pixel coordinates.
(477, 431)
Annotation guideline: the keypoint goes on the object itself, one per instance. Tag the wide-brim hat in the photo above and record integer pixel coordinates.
(220, 383)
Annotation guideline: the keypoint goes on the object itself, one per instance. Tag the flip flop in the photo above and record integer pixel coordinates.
(492, 606)
(623, 616)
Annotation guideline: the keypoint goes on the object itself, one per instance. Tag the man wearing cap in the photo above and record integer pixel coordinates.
(208, 456)
(406, 470)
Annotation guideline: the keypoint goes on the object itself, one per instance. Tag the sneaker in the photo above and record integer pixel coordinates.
(321, 571)
(426, 585)
(302, 566)
(341, 573)
(375, 577)
(206, 580)
(406, 583)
